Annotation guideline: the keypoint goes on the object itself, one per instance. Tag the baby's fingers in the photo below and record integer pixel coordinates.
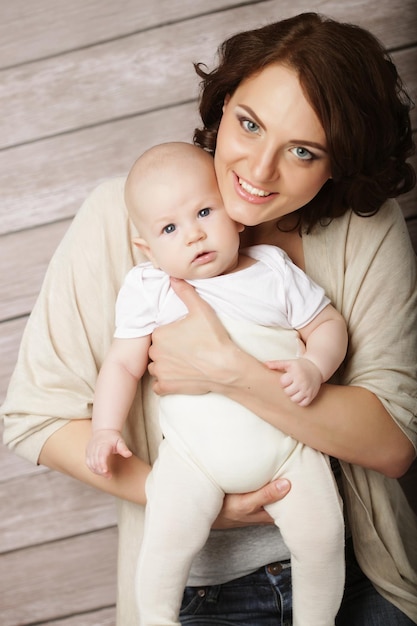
(101, 465)
(122, 449)
(96, 459)
(98, 467)
(287, 382)
(300, 397)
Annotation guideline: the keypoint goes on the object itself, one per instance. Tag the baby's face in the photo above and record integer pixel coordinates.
(185, 226)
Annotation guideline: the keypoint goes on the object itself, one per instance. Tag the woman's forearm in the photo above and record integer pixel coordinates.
(347, 422)
(64, 451)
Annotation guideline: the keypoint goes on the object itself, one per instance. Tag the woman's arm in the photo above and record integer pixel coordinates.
(64, 451)
(349, 423)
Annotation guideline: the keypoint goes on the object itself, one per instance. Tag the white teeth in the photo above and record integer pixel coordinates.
(253, 190)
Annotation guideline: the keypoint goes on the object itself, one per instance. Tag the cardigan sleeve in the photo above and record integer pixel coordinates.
(71, 325)
(380, 305)
(368, 269)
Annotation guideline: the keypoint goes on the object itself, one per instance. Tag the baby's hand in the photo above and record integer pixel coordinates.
(301, 380)
(102, 445)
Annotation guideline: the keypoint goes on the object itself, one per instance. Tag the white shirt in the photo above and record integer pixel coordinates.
(272, 292)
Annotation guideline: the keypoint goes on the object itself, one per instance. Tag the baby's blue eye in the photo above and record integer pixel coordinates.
(204, 212)
(169, 229)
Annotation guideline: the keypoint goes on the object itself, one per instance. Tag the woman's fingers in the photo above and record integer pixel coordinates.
(187, 355)
(187, 293)
(248, 509)
(269, 493)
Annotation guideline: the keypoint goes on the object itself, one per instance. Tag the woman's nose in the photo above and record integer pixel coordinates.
(264, 166)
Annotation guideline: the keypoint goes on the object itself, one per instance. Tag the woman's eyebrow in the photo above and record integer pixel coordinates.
(252, 114)
(310, 144)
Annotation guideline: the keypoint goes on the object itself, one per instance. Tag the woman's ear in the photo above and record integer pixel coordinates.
(143, 246)
(225, 101)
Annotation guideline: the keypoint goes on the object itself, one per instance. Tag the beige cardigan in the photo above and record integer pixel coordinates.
(367, 268)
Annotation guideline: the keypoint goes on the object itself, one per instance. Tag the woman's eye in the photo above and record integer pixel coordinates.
(169, 229)
(250, 126)
(204, 212)
(303, 153)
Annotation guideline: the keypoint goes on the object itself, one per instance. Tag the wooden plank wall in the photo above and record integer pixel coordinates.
(85, 86)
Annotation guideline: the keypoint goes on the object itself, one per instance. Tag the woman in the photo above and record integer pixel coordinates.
(311, 131)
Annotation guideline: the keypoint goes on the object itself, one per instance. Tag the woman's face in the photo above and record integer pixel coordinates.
(271, 155)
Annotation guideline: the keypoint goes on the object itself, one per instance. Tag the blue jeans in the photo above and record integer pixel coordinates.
(264, 599)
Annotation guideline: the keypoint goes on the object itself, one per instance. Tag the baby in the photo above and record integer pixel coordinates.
(212, 445)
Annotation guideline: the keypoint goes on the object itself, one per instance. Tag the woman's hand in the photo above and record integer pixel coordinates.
(189, 356)
(247, 509)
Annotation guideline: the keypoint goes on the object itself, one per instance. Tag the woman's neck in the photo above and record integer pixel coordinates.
(269, 233)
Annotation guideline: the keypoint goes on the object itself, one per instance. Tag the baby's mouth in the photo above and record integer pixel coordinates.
(203, 257)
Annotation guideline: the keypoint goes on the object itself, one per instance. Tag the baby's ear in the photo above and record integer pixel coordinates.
(143, 246)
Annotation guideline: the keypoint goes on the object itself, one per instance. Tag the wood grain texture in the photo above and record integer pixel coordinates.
(103, 617)
(54, 506)
(23, 258)
(51, 27)
(58, 579)
(59, 172)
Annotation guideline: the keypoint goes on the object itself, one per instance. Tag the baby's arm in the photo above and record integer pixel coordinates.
(117, 381)
(326, 341)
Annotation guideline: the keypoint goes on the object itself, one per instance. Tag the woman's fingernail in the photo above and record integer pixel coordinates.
(282, 485)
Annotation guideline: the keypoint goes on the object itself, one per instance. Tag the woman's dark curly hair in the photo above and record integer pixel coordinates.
(354, 88)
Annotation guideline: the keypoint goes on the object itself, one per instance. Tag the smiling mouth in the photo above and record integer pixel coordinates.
(254, 191)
